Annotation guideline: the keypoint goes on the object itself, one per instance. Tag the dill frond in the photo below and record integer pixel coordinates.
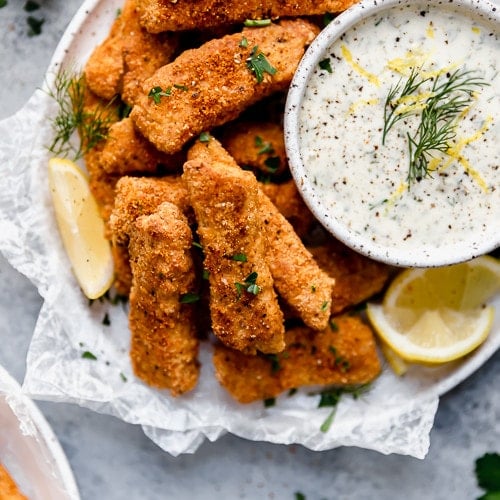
(440, 109)
(90, 123)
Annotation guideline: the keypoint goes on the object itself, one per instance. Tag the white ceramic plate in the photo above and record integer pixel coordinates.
(29, 449)
(395, 416)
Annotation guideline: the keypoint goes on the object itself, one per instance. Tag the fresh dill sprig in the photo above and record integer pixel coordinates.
(440, 109)
(91, 123)
(393, 106)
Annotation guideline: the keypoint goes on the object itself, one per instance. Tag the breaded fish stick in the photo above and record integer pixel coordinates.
(288, 201)
(164, 345)
(136, 196)
(157, 15)
(127, 152)
(257, 146)
(343, 356)
(213, 84)
(127, 57)
(357, 278)
(243, 304)
(297, 277)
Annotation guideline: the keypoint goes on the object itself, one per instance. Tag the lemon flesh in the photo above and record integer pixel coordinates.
(81, 227)
(440, 314)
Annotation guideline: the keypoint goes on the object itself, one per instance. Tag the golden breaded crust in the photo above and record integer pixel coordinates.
(225, 203)
(8, 488)
(344, 355)
(102, 185)
(212, 84)
(127, 152)
(159, 15)
(285, 196)
(164, 345)
(257, 146)
(297, 277)
(357, 278)
(136, 196)
(127, 57)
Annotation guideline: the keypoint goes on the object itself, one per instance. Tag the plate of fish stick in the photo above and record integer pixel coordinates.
(218, 302)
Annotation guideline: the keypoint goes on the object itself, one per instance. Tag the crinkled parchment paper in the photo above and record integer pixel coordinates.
(394, 416)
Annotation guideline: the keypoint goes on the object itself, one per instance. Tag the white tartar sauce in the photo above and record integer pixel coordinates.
(362, 182)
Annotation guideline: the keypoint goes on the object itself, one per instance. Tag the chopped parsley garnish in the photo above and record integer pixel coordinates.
(88, 355)
(258, 64)
(197, 245)
(240, 257)
(30, 6)
(106, 321)
(205, 137)
(331, 397)
(124, 110)
(206, 274)
(299, 496)
(189, 298)
(333, 326)
(275, 362)
(272, 163)
(324, 306)
(269, 402)
(327, 18)
(3, 3)
(35, 25)
(156, 93)
(325, 65)
(249, 285)
(244, 43)
(257, 23)
(123, 377)
(488, 475)
(342, 363)
(264, 147)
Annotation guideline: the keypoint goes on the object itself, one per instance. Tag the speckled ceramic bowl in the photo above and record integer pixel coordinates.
(477, 239)
(29, 448)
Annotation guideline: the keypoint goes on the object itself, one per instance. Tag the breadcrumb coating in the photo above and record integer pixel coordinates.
(257, 146)
(297, 278)
(343, 355)
(225, 202)
(164, 344)
(127, 57)
(357, 278)
(136, 196)
(213, 84)
(161, 15)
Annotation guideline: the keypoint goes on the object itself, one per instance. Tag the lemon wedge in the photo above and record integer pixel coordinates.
(81, 227)
(437, 315)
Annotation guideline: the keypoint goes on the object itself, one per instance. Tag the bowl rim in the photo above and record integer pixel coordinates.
(44, 446)
(418, 257)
